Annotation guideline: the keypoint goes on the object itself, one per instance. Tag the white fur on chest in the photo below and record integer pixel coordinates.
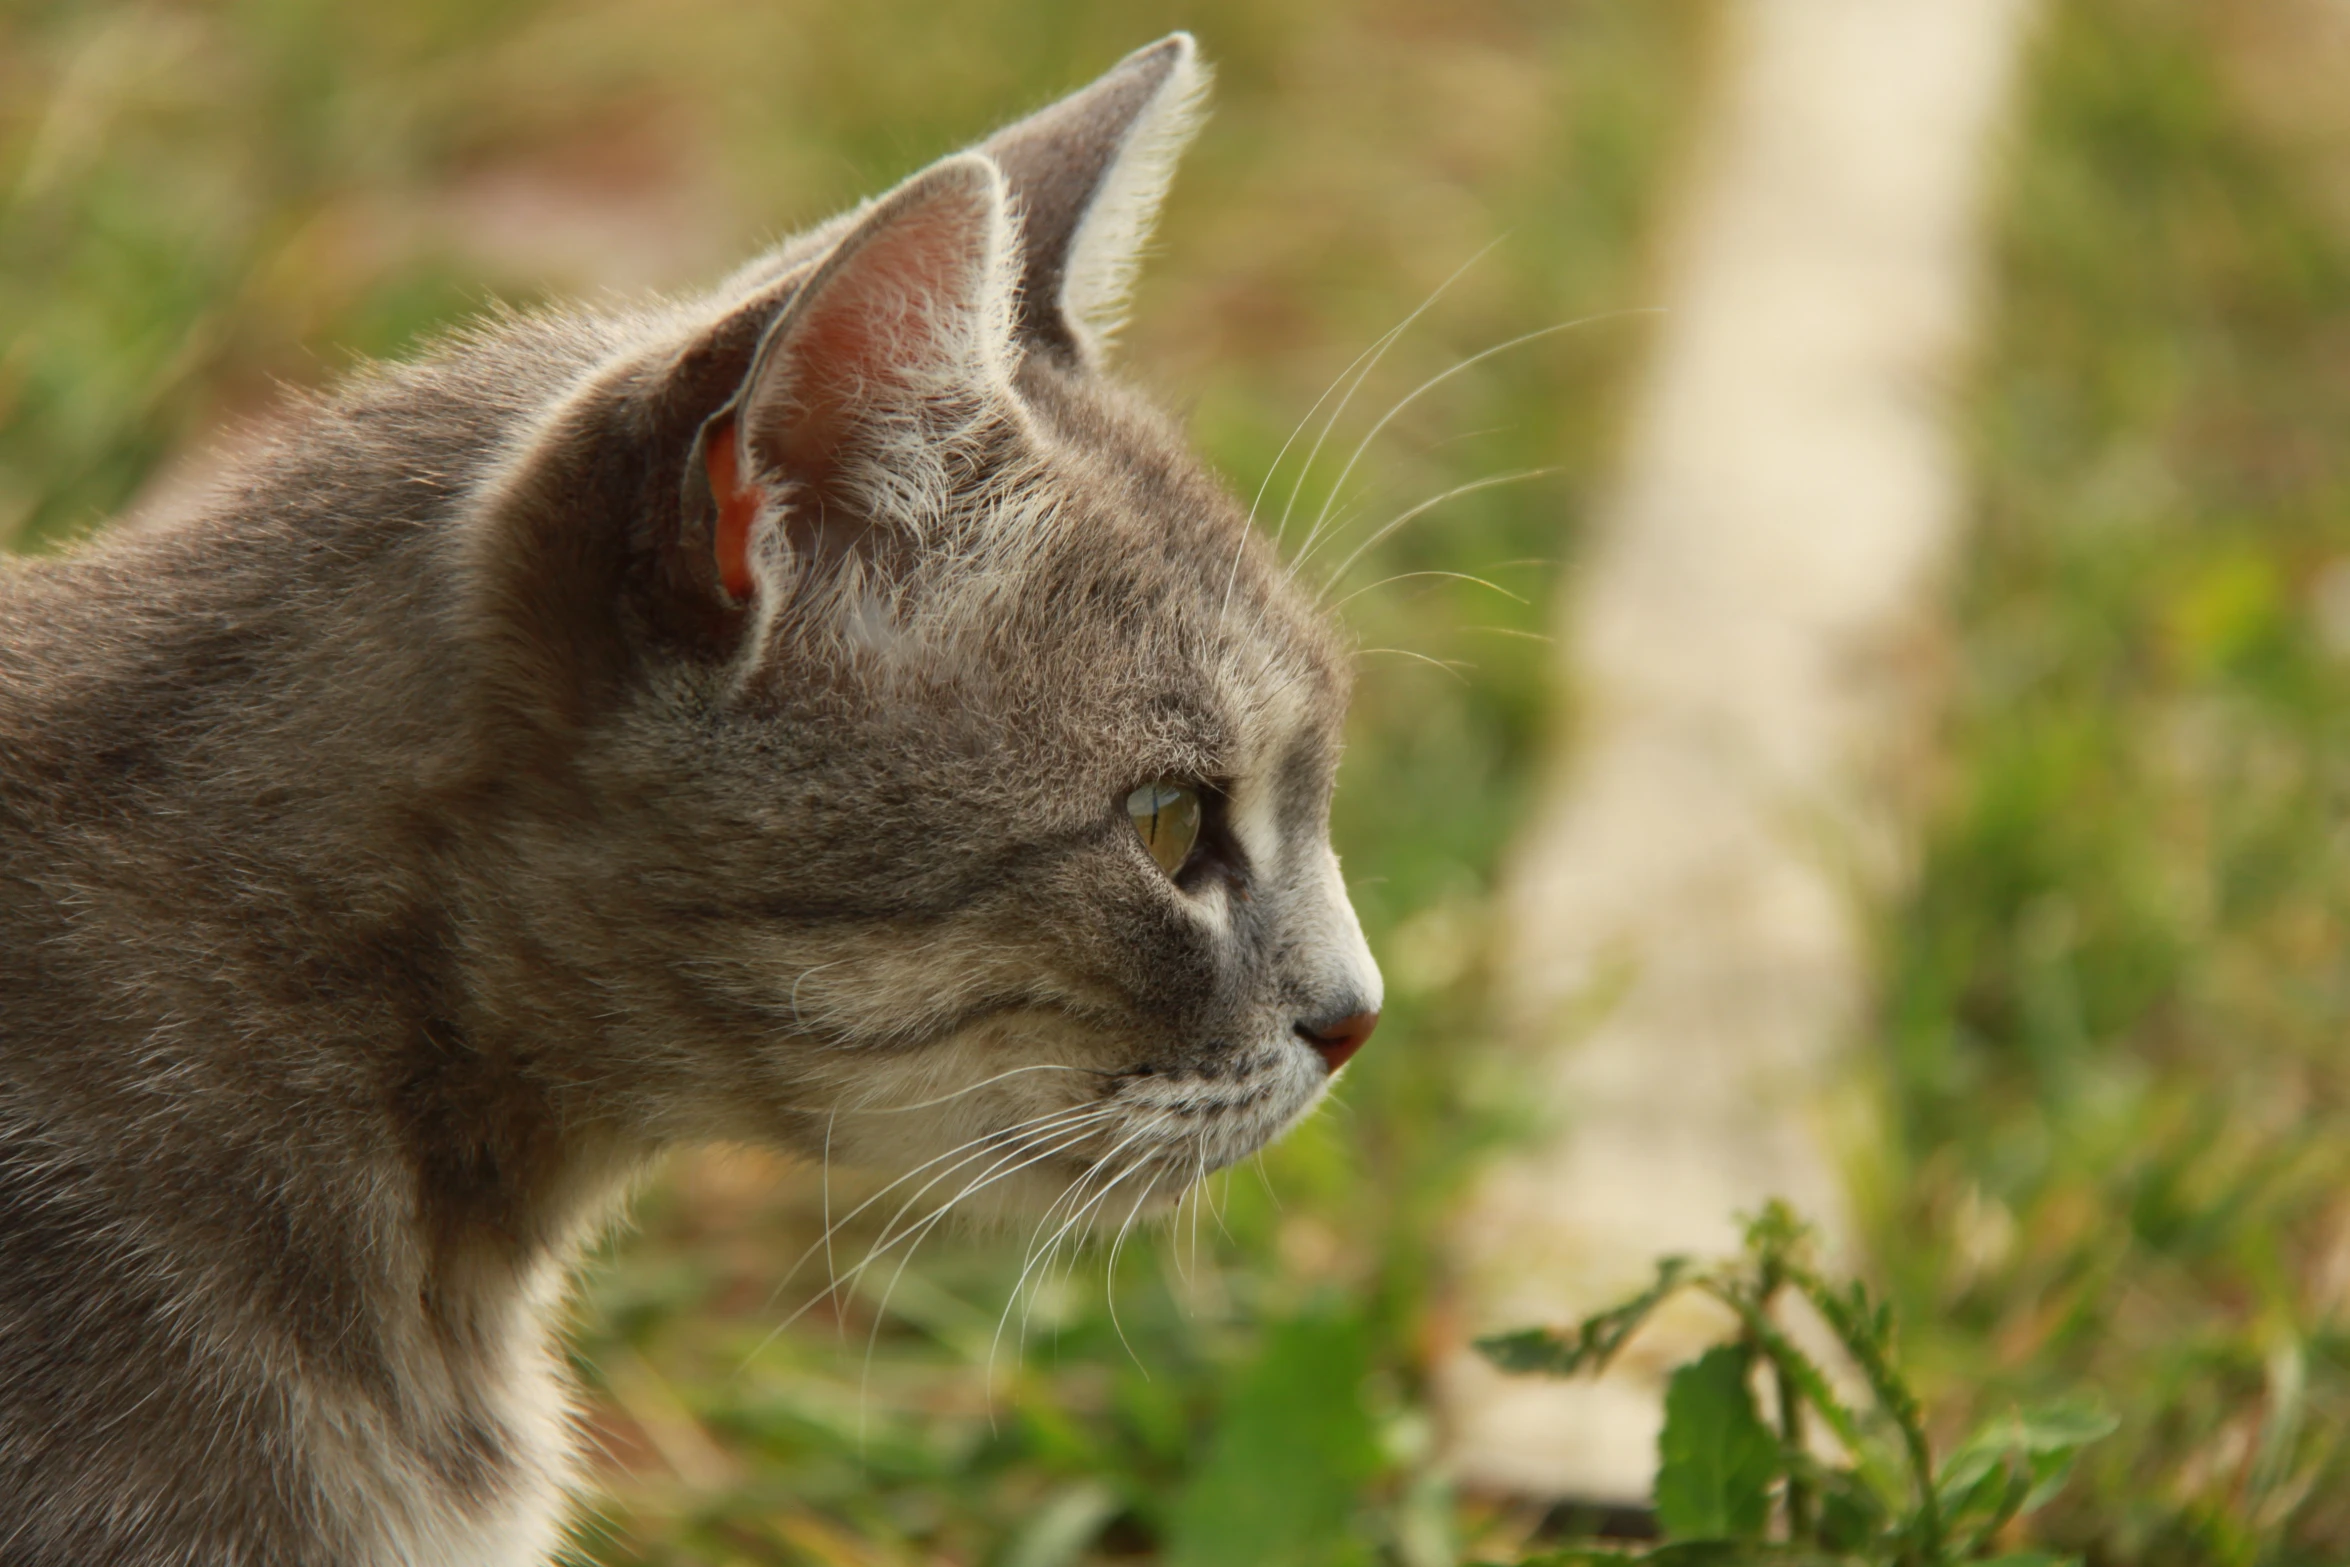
(396, 1510)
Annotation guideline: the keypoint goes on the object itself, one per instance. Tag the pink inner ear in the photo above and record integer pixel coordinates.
(738, 508)
(896, 316)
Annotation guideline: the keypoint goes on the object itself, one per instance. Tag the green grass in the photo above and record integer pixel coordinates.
(2113, 1057)
(2116, 1019)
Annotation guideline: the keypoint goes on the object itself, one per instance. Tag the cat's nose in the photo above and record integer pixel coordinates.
(1337, 1039)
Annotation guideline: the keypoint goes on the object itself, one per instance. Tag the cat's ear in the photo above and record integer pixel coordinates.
(1087, 176)
(886, 356)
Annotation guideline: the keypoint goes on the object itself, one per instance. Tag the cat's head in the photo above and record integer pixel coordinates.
(944, 762)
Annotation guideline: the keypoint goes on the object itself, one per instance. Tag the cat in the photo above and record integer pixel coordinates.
(832, 713)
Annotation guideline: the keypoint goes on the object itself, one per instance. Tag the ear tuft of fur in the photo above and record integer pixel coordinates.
(1089, 174)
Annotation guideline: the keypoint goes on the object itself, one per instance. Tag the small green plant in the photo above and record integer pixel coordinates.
(1732, 1488)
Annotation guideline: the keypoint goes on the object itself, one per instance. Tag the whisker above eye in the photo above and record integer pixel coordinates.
(1436, 380)
(1367, 360)
(1451, 666)
(1430, 504)
(1406, 576)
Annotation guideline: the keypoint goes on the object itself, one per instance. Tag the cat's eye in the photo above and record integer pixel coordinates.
(1167, 816)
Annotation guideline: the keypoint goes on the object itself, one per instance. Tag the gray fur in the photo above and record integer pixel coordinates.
(400, 852)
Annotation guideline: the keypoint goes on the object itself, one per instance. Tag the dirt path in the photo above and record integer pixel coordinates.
(1750, 644)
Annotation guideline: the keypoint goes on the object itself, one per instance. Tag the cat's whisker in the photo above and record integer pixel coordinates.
(1406, 576)
(985, 1082)
(1079, 1131)
(1387, 528)
(1458, 437)
(1071, 1194)
(834, 1227)
(1314, 453)
(1512, 631)
(1028, 1151)
(796, 1020)
(1194, 1197)
(1436, 380)
(1077, 1213)
(979, 1142)
(1351, 507)
(1110, 1277)
(914, 1244)
(914, 1237)
(1175, 1236)
(1451, 666)
(1257, 501)
(1080, 1217)
(1216, 1204)
(1364, 362)
(1068, 1193)
(1028, 1255)
(1053, 1274)
(1378, 345)
(1199, 1192)
(831, 1269)
(1266, 1177)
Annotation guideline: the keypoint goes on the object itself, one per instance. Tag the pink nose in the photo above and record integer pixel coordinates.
(1337, 1042)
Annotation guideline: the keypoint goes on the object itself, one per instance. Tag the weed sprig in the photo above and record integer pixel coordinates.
(1731, 1489)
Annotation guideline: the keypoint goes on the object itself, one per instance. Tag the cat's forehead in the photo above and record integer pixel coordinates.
(1155, 547)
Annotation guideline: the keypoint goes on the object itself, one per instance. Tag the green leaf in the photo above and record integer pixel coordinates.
(1710, 1553)
(1852, 1514)
(2065, 1426)
(1595, 1340)
(1292, 1450)
(1716, 1459)
(1057, 1533)
(2040, 1441)
(1783, 1352)
(1738, 1553)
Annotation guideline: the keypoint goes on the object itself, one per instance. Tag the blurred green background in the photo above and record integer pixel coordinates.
(2111, 1050)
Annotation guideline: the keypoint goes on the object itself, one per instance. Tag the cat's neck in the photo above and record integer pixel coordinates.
(284, 907)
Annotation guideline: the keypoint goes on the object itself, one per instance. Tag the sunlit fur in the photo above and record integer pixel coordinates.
(401, 850)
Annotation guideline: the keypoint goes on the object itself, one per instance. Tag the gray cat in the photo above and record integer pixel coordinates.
(829, 712)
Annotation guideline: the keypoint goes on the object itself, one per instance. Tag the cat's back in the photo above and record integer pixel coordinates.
(330, 545)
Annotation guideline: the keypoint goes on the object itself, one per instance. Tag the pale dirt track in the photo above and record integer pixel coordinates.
(1749, 644)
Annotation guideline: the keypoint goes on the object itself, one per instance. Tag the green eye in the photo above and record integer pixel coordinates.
(1167, 816)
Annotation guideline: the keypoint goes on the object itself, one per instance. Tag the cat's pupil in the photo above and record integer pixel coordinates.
(1167, 816)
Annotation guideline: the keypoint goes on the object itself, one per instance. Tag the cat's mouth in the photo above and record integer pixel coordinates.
(1054, 1136)
(1190, 1123)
